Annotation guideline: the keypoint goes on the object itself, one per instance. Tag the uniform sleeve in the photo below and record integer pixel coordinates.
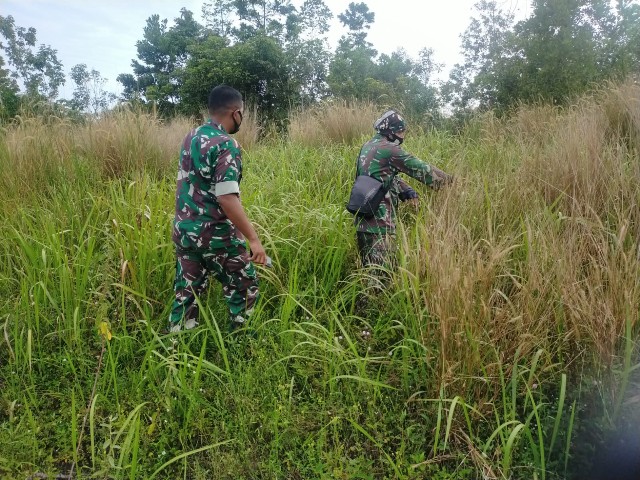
(200, 160)
(403, 190)
(416, 168)
(440, 178)
(228, 169)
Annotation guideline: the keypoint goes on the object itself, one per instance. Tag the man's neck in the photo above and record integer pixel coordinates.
(216, 121)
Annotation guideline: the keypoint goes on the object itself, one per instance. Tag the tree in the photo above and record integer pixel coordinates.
(269, 18)
(315, 18)
(9, 98)
(394, 79)
(486, 46)
(564, 48)
(38, 69)
(89, 94)
(218, 16)
(308, 62)
(564, 44)
(348, 74)
(408, 83)
(307, 52)
(358, 19)
(426, 66)
(162, 54)
(256, 67)
(353, 63)
(627, 34)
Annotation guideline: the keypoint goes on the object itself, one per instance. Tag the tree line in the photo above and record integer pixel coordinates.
(279, 57)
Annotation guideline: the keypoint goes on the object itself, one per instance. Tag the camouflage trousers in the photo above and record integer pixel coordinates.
(377, 252)
(377, 255)
(230, 266)
(376, 249)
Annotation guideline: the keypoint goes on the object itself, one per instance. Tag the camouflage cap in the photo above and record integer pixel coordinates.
(390, 122)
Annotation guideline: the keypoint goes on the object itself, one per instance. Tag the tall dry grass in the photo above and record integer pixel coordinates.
(251, 131)
(540, 252)
(333, 122)
(129, 141)
(38, 150)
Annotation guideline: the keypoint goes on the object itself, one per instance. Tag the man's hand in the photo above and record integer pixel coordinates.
(233, 209)
(258, 255)
(440, 178)
(413, 202)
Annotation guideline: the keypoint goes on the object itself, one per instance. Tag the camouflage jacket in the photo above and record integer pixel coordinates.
(383, 160)
(210, 165)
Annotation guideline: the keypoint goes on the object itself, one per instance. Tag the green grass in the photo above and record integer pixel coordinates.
(509, 301)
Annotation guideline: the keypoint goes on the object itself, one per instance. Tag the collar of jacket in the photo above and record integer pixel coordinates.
(215, 125)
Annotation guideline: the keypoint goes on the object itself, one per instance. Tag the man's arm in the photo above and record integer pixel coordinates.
(225, 186)
(440, 178)
(416, 168)
(234, 211)
(405, 192)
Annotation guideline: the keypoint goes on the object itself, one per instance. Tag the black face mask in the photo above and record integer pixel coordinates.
(392, 137)
(236, 125)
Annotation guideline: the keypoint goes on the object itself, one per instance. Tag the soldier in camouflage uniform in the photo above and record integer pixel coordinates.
(383, 158)
(210, 223)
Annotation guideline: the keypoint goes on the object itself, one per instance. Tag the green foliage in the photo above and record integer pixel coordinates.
(626, 38)
(39, 70)
(89, 94)
(9, 99)
(162, 55)
(257, 68)
(562, 50)
(308, 62)
(41, 74)
(485, 45)
(308, 53)
(394, 80)
(314, 18)
(565, 47)
(278, 55)
(358, 19)
(349, 71)
(270, 18)
(353, 63)
(217, 17)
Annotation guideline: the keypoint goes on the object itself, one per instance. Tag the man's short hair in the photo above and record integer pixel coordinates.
(224, 97)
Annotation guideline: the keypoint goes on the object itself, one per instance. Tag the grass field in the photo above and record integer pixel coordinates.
(506, 347)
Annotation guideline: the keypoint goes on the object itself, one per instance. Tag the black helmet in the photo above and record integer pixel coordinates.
(390, 123)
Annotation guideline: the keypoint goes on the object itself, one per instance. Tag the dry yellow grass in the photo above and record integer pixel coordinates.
(116, 143)
(542, 254)
(334, 122)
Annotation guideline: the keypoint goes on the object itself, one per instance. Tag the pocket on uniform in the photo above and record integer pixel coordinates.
(237, 260)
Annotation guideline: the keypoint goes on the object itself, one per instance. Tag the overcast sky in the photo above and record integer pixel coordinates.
(103, 34)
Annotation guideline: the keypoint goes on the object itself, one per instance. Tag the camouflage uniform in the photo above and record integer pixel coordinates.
(207, 242)
(383, 159)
